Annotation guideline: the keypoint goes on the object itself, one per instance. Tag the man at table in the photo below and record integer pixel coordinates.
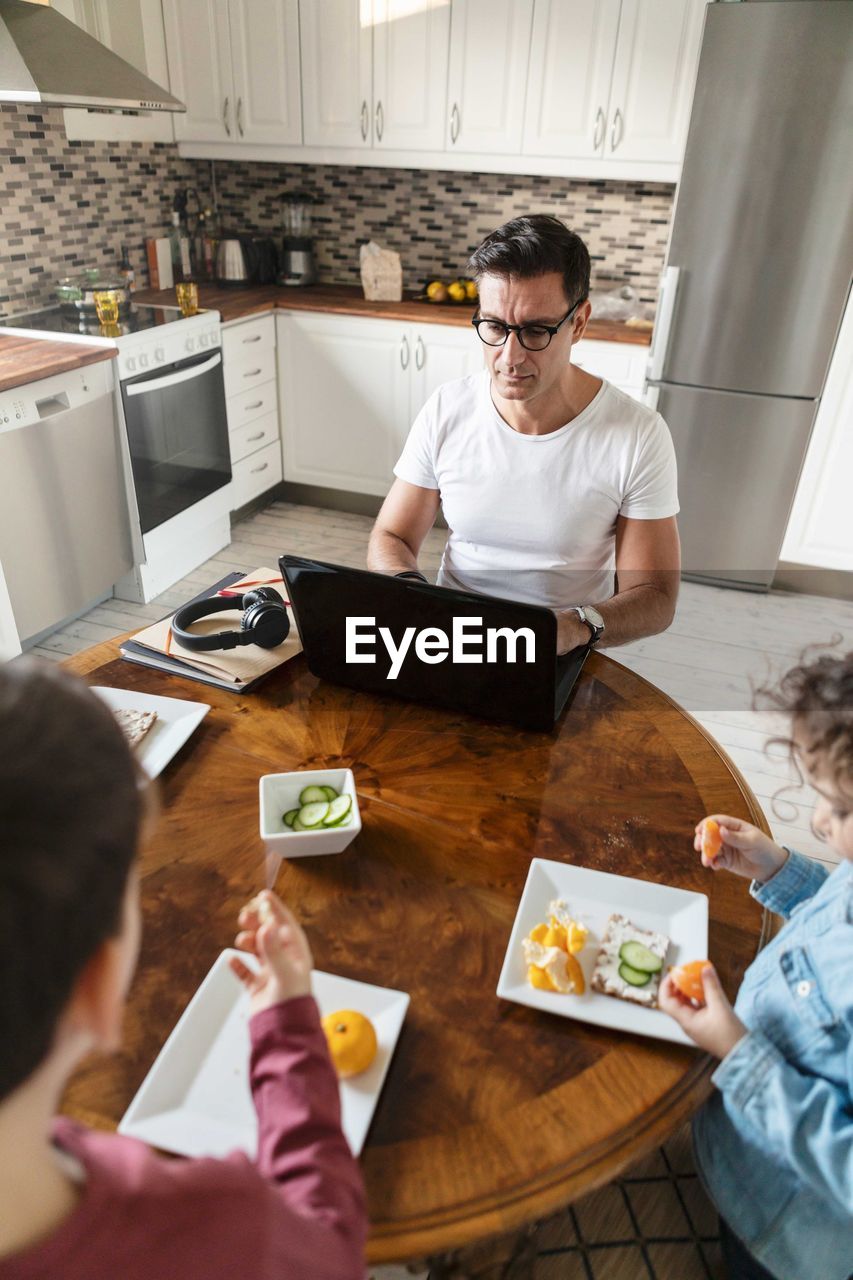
(557, 488)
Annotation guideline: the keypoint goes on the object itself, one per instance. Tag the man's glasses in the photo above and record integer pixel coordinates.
(533, 337)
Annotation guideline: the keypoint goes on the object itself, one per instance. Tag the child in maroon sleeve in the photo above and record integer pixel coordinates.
(92, 1206)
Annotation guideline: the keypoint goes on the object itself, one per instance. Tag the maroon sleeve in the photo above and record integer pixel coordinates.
(300, 1143)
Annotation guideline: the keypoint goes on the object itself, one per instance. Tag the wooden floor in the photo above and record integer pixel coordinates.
(655, 1224)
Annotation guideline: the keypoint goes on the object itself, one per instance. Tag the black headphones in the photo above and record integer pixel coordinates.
(264, 621)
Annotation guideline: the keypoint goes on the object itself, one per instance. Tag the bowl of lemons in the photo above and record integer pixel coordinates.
(462, 289)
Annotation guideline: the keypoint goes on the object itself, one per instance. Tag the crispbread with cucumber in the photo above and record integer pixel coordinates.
(630, 962)
(319, 808)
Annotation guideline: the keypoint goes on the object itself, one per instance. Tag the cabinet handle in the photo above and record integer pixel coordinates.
(255, 470)
(600, 126)
(225, 117)
(251, 373)
(365, 120)
(259, 436)
(240, 116)
(256, 338)
(380, 121)
(404, 352)
(256, 405)
(454, 122)
(420, 353)
(618, 129)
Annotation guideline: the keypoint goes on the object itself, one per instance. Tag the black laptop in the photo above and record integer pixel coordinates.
(476, 653)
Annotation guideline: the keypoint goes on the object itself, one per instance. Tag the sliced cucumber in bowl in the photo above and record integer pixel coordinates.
(313, 795)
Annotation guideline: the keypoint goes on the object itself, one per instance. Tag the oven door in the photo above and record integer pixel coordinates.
(177, 432)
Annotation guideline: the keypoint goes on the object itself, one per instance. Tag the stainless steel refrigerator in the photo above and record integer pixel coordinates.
(758, 273)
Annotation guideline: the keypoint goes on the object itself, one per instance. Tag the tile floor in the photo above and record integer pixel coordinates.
(655, 1223)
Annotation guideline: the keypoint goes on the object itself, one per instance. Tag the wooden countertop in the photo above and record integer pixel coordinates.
(237, 303)
(24, 360)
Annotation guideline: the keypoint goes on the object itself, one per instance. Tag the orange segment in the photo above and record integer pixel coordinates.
(688, 979)
(576, 937)
(575, 973)
(712, 841)
(539, 979)
(555, 936)
(538, 933)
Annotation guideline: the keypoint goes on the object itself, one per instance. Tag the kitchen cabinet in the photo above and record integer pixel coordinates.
(374, 73)
(134, 30)
(350, 388)
(612, 80)
(820, 530)
(240, 80)
(489, 48)
(622, 363)
(251, 403)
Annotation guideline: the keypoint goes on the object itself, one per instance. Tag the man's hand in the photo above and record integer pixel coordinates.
(745, 851)
(715, 1027)
(273, 934)
(571, 632)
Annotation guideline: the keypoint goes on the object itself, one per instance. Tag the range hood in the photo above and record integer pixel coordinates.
(46, 58)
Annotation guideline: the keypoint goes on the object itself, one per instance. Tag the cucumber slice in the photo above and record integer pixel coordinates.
(636, 956)
(313, 795)
(287, 818)
(331, 793)
(296, 825)
(634, 977)
(313, 814)
(338, 810)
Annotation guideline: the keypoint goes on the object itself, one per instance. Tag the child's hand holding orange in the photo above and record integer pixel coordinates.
(272, 933)
(714, 1026)
(730, 844)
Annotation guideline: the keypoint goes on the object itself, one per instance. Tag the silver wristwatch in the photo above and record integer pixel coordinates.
(593, 619)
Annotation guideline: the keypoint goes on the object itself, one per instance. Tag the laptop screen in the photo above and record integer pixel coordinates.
(490, 657)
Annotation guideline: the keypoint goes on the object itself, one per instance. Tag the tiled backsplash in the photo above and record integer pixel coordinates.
(66, 205)
(434, 218)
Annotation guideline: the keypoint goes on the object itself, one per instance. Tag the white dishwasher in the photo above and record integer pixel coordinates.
(64, 525)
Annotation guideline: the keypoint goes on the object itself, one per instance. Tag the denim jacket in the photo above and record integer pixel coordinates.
(774, 1144)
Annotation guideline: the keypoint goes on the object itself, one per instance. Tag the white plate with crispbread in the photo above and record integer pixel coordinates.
(160, 738)
(592, 898)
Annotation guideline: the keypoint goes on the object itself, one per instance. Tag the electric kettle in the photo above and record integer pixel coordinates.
(232, 266)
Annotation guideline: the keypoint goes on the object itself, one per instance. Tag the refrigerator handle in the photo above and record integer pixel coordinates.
(651, 395)
(663, 321)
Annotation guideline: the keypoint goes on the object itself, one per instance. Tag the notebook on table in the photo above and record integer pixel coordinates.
(480, 654)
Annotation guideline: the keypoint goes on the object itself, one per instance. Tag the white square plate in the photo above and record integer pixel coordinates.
(176, 721)
(592, 897)
(196, 1099)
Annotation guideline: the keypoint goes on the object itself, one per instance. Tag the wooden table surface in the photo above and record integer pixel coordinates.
(492, 1115)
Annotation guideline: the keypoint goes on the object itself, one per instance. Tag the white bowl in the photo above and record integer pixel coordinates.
(280, 791)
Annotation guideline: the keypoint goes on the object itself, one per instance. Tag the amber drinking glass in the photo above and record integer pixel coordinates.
(187, 291)
(106, 305)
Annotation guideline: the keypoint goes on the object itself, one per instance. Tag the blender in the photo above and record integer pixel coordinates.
(298, 265)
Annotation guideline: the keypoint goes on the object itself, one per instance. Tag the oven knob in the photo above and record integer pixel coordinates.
(203, 339)
(143, 361)
(130, 364)
(160, 355)
(190, 344)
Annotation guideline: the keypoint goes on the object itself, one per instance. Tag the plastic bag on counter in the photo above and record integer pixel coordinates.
(621, 303)
(381, 273)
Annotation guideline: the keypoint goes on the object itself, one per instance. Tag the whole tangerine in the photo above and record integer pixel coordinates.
(688, 979)
(351, 1038)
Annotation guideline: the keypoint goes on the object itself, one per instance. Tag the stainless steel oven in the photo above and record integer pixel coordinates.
(177, 433)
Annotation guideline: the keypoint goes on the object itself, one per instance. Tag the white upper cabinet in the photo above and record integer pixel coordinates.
(235, 63)
(410, 73)
(571, 61)
(134, 30)
(489, 51)
(374, 72)
(199, 46)
(652, 92)
(612, 80)
(265, 65)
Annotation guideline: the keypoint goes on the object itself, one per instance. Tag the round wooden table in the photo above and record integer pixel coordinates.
(492, 1115)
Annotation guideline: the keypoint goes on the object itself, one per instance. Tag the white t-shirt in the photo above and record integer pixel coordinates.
(534, 517)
